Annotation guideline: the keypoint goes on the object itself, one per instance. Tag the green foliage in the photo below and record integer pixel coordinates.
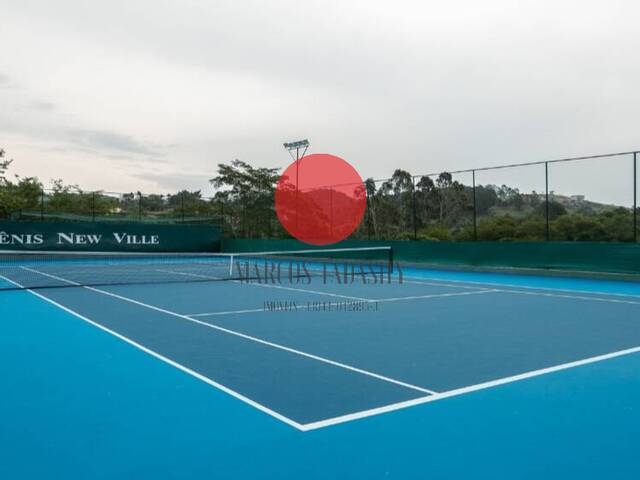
(247, 194)
(4, 165)
(486, 197)
(437, 208)
(613, 225)
(154, 203)
(497, 228)
(23, 194)
(531, 229)
(436, 232)
(555, 210)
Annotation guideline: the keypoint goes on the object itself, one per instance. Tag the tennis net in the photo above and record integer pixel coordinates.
(37, 269)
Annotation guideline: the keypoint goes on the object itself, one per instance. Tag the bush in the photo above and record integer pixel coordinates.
(577, 227)
(531, 228)
(498, 228)
(436, 232)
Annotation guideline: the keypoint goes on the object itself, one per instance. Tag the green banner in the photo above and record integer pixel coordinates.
(622, 258)
(111, 237)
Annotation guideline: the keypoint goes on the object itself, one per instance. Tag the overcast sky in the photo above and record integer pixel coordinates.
(151, 95)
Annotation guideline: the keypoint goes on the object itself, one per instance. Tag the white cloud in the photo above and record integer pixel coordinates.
(177, 87)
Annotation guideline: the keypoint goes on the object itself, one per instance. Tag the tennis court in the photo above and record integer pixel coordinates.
(323, 352)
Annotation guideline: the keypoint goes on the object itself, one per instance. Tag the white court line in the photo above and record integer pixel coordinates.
(575, 297)
(435, 295)
(167, 360)
(544, 293)
(572, 297)
(495, 284)
(464, 390)
(440, 284)
(246, 337)
(399, 405)
(12, 282)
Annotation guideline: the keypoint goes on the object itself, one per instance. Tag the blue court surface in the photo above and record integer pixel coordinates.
(445, 375)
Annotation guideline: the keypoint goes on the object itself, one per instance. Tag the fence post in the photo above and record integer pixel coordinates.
(331, 211)
(93, 206)
(244, 217)
(413, 208)
(546, 194)
(368, 210)
(222, 222)
(182, 205)
(139, 207)
(635, 196)
(42, 204)
(475, 208)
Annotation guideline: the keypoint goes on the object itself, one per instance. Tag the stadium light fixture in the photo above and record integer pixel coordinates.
(297, 146)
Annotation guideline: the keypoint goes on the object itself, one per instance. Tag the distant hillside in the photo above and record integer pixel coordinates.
(574, 204)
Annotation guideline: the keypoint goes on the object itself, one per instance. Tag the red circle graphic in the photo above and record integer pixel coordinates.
(320, 199)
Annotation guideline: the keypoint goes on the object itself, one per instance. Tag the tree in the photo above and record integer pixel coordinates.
(453, 200)
(534, 200)
(27, 192)
(19, 195)
(250, 193)
(22, 195)
(486, 197)
(154, 202)
(531, 228)
(241, 178)
(427, 199)
(556, 210)
(65, 198)
(391, 204)
(4, 165)
(497, 228)
(401, 184)
(370, 189)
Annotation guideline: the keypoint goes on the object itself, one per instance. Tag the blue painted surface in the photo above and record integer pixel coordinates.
(452, 342)
(297, 387)
(197, 298)
(616, 287)
(79, 403)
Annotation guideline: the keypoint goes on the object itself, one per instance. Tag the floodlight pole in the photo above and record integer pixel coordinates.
(297, 146)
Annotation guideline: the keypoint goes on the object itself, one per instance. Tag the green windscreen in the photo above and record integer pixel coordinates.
(622, 258)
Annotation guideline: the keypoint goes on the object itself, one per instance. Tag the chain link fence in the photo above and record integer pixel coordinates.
(574, 199)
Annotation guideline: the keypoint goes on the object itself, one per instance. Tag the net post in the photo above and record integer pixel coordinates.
(391, 260)
(231, 266)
